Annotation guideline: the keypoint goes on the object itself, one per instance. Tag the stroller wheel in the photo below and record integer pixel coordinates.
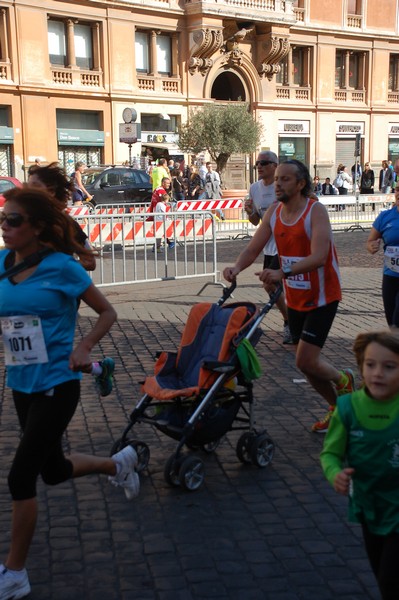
(142, 450)
(262, 450)
(143, 454)
(244, 446)
(191, 473)
(171, 470)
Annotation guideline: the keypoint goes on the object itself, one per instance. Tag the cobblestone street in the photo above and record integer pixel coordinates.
(278, 533)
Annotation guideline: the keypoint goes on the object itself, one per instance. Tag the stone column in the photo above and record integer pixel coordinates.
(153, 53)
(71, 58)
(95, 36)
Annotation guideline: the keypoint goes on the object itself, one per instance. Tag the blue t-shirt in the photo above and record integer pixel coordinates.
(387, 224)
(49, 293)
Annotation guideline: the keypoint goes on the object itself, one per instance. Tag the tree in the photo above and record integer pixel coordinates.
(222, 130)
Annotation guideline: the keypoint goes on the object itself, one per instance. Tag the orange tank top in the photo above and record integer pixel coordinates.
(305, 291)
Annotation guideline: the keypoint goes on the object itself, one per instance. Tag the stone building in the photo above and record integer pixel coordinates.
(314, 72)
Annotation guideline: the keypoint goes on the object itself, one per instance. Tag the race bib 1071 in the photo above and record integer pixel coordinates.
(23, 340)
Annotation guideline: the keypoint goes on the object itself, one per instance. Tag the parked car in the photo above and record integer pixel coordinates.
(7, 183)
(110, 185)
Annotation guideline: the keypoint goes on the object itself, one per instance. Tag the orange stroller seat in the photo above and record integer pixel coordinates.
(207, 344)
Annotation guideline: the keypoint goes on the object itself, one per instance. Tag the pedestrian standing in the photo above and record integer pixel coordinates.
(360, 457)
(386, 178)
(80, 194)
(212, 187)
(39, 289)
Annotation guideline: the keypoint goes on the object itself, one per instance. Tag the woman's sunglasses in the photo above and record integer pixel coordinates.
(12, 219)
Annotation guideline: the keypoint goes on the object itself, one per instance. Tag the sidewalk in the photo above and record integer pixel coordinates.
(278, 533)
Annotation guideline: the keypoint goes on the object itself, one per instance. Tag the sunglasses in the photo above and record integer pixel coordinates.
(264, 163)
(12, 219)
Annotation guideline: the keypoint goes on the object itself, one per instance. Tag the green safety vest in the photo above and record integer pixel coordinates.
(374, 455)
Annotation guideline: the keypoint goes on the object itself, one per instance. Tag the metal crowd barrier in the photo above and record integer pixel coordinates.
(348, 213)
(133, 249)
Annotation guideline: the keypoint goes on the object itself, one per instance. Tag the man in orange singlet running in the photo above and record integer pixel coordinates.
(309, 270)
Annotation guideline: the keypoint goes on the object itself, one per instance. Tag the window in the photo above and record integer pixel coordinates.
(350, 69)
(83, 46)
(56, 43)
(164, 54)
(5, 57)
(354, 7)
(295, 67)
(393, 80)
(155, 123)
(154, 53)
(84, 52)
(142, 52)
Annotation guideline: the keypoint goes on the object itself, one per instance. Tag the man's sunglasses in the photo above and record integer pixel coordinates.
(12, 219)
(264, 163)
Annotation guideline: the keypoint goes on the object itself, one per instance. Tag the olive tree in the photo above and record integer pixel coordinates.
(222, 130)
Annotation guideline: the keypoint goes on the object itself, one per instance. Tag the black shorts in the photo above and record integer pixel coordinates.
(312, 326)
(271, 262)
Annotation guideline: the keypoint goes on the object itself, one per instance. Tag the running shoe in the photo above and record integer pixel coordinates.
(13, 584)
(347, 383)
(322, 425)
(105, 381)
(287, 337)
(126, 461)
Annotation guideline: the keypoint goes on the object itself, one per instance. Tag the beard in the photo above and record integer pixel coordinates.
(284, 198)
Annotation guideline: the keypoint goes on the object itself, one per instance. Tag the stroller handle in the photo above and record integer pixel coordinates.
(227, 292)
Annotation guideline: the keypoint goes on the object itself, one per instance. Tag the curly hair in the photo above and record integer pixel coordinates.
(388, 339)
(58, 230)
(56, 181)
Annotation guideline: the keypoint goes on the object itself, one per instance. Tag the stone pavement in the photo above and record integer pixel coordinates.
(278, 533)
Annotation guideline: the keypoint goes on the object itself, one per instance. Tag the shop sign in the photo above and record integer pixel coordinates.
(80, 137)
(159, 138)
(294, 127)
(393, 129)
(129, 133)
(350, 128)
(6, 135)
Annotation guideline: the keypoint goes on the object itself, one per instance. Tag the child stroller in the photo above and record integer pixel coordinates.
(204, 390)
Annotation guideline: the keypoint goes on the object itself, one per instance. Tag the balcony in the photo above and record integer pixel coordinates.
(149, 83)
(393, 97)
(293, 93)
(5, 71)
(354, 21)
(299, 14)
(354, 96)
(276, 11)
(77, 77)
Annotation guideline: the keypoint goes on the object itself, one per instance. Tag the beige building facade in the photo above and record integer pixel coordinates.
(314, 72)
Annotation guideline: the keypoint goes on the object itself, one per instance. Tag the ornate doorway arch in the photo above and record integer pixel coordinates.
(228, 86)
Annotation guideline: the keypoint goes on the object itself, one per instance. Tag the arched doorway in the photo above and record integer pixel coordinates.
(228, 86)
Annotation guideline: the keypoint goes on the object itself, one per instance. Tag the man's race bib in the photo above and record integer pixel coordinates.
(23, 340)
(391, 258)
(297, 282)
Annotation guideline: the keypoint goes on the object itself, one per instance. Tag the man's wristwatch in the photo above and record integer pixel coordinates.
(287, 271)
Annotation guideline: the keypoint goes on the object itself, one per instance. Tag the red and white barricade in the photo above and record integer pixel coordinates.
(130, 230)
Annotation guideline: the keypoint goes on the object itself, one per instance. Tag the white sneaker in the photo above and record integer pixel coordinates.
(13, 584)
(126, 461)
